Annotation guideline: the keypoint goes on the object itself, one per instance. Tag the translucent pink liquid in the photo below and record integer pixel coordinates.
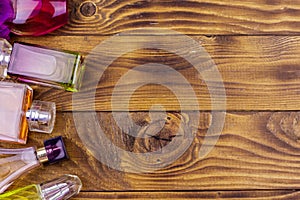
(38, 17)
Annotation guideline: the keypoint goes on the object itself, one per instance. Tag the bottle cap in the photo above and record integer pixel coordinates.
(54, 150)
(41, 116)
(5, 51)
(61, 188)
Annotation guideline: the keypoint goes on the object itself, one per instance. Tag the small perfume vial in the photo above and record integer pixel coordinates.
(40, 65)
(16, 162)
(61, 188)
(18, 113)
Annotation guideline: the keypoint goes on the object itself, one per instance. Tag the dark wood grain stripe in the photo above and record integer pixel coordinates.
(190, 17)
(265, 195)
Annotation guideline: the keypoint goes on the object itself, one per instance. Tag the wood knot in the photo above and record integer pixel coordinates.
(159, 133)
(288, 123)
(88, 9)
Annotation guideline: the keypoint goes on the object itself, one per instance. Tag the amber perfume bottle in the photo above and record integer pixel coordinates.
(18, 113)
(39, 65)
(60, 188)
(15, 162)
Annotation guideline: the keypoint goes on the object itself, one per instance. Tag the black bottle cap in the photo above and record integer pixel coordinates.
(55, 150)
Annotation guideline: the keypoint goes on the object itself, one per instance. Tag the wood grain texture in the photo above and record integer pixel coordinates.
(255, 45)
(253, 152)
(215, 17)
(259, 73)
(262, 195)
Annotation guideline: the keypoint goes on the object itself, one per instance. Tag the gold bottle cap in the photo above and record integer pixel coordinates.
(54, 150)
(41, 154)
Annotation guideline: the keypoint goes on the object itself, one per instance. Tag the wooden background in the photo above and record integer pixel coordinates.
(255, 45)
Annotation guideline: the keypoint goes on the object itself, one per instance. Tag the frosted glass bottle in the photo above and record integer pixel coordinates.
(18, 113)
(15, 162)
(61, 188)
(41, 65)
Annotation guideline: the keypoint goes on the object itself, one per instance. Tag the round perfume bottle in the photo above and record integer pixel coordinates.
(34, 17)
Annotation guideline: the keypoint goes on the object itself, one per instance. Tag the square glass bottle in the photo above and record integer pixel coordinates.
(41, 65)
(18, 113)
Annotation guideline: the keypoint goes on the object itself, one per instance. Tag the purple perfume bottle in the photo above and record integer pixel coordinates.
(15, 162)
(32, 17)
(40, 65)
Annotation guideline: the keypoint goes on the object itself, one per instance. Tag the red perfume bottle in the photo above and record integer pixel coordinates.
(34, 17)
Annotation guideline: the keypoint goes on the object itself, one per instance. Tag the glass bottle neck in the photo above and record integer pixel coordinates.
(41, 155)
(5, 53)
(4, 58)
(54, 150)
(41, 117)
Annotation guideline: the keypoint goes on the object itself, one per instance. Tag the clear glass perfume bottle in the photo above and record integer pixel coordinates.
(18, 113)
(61, 188)
(40, 65)
(33, 17)
(15, 162)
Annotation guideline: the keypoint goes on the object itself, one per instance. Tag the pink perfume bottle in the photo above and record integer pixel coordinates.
(18, 113)
(40, 65)
(60, 188)
(34, 17)
(15, 162)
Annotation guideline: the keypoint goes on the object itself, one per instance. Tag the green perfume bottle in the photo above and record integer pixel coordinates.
(61, 188)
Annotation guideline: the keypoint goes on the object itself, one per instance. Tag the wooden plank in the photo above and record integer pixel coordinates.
(215, 17)
(255, 151)
(259, 73)
(262, 195)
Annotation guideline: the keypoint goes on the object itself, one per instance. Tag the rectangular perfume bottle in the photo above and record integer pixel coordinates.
(18, 113)
(41, 65)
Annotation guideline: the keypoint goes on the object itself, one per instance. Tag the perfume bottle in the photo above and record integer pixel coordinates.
(40, 65)
(18, 113)
(15, 162)
(32, 17)
(6, 15)
(61, 188)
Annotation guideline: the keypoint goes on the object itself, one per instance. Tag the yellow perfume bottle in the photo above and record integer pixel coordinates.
(61, 188)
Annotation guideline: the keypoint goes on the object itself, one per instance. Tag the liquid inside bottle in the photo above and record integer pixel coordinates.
(38, 17)
(30, 192)
(45, 66)
(15, 162)
(18, 113)
(40, 65)
(15, 101)
(61, 188)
